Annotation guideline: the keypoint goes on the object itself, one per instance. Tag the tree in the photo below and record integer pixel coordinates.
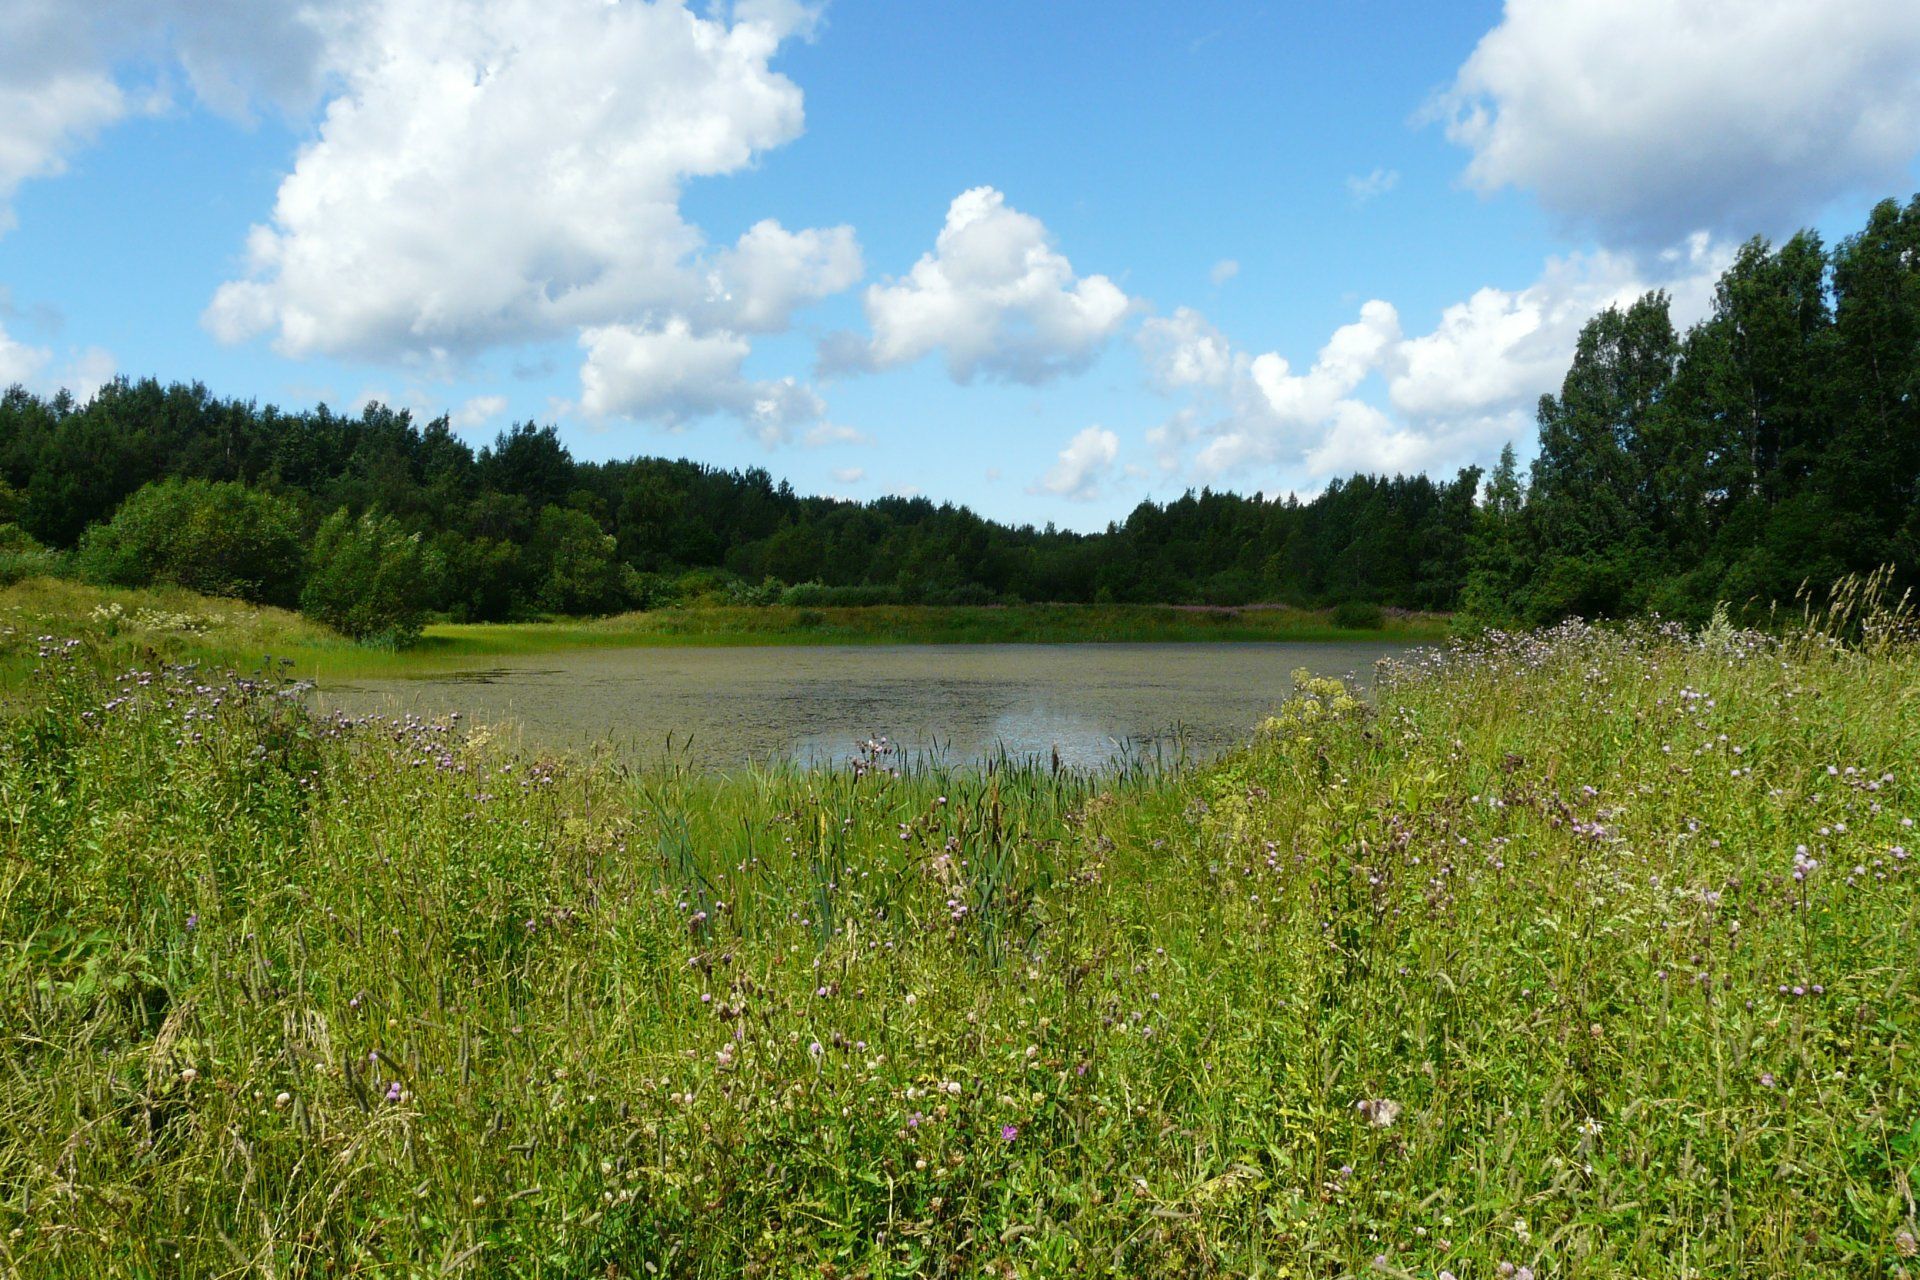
(578, 571)
(220, 539)
(368, 578)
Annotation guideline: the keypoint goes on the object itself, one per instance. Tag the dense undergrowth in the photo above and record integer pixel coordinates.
(1579, 953)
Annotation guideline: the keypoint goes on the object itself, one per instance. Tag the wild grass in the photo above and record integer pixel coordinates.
(160, 625)
(1585, 953)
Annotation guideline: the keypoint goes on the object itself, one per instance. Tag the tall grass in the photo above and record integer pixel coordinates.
(1579, 953)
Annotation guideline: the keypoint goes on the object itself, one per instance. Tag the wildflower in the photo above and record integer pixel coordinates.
(1378, 1112)
(193, 921)
(189, 1075)
(1905, 1245)
(1008, 1132)
(814, 1049)
(393, 1091)
(282, 1099)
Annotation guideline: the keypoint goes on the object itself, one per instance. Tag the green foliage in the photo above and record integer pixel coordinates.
(1509, 966)
(1777, 443)
(1359, 615)
(22, 557)
(576, 564)
(219, 539)
(509, 526)
(368, 579)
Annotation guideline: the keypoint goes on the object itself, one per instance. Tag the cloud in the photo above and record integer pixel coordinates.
(849, 475)
(1223, 271)
(672, 375)
(994, 296)
(21, 364)
(1651, 119)
(478, 412)
(1373, 185)
(58, 89)
(826, 434)
(32, 367)
(1452, 394)
(1082, 465)
(758, 283)
(1184, 350)
(494, 171)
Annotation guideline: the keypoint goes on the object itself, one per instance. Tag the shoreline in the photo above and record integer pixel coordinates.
(171, 624)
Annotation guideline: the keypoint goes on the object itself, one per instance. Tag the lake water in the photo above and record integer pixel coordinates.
(1093, 704)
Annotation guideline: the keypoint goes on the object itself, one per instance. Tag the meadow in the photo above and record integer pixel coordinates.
(1586, 952)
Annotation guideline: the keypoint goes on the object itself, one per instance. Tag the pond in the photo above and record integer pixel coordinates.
(1091, 705)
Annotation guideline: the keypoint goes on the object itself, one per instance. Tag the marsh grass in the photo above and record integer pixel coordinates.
(1586, 952)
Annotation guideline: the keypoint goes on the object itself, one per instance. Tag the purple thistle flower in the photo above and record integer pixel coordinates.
(1009, 1132)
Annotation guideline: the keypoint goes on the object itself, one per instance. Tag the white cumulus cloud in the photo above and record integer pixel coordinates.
(759, 283)
(1452, 395)
(1651, 119)
(672, 375)
(21, 364)
(504, 170)
(83, 373)
(1081, 466)
(478, 411)
(994, 296)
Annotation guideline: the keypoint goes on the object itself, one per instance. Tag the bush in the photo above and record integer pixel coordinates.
(368, 578)
(1359, 615)
(218, 539)
(818, 595)
(21, 557)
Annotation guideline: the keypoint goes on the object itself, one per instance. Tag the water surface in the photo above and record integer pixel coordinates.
(1092, 704)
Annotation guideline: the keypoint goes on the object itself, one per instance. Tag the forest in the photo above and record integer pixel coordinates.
(1775, 443)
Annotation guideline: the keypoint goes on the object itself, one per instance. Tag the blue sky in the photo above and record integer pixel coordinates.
(1042, 259)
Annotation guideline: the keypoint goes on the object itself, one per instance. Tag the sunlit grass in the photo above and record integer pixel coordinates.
(1522, 966)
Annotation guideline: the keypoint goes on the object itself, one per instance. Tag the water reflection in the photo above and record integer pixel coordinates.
(717, 708)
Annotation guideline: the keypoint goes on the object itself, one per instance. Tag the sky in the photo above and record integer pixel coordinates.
(1045, 260)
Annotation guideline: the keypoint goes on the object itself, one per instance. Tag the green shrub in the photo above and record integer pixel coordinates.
(821, 596)
(1359, 615)
(220, 539)
(368, 578)
(22, 557)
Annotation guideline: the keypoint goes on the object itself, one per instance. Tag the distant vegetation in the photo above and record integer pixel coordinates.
(1578, 954)
(151, 626)
(1775, 443)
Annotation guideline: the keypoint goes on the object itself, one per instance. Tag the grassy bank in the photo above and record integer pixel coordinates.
(175, 625)
(1582, 954)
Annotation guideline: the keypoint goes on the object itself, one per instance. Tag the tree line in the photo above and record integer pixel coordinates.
(1776, 442)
